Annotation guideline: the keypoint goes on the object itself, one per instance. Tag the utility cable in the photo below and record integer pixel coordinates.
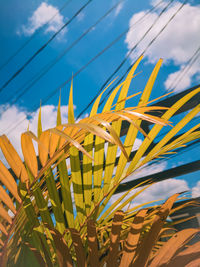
(123, 62)
(44, 46)
(180, 150)
(185, 69)
(80, 70)
(67, 49)
(28, 85)
(32, 36)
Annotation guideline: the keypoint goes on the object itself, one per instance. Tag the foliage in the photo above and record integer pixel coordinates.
(58, 199)
(134, 247)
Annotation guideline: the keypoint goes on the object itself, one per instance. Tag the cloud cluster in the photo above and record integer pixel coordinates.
(157, 192)
(196, 190)
(162, 190)
(45, 13)
(147, 169)
(15, 114)
(144, 171)
(176, 44)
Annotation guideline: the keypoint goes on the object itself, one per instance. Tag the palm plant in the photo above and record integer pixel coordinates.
(52, 209)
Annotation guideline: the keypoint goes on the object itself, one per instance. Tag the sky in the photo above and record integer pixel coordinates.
(30, 24)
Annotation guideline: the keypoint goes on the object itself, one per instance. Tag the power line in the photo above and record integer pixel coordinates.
(28, 85)
(144, 51)
(81, 69)
(123, 62)
(185, 69)
(32, 36)
(87, 64)
(44, 46)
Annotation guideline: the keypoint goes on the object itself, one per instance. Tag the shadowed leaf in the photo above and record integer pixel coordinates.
(77, 243)
(7, 200)
(166, 253)
(7, 179)
(62, 250)
(92, 244)
(150, 239)
(131, 242)
(115, 238)
(4, 214)
(3, 229)
(37, 254)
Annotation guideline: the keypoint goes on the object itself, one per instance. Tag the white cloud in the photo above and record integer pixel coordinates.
(43, 14)
(144, 171)
(14, 114)
(158, 3)
(147, 170)
(118, 9)
(162, 190)
(181, 75)
(137, 144)
(176, 44)
(81, 16)
(158, 191)
(196, 190)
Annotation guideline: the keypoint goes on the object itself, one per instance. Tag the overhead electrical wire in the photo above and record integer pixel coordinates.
(32, 36)
(74, 43)
(81, 69)
(89, 62)
(28, 85)
(185, 69)
(98, 55)
(144, 51)
(43, 47)
(130, 52)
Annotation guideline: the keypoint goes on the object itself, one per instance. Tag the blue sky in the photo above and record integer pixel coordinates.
(20, 21)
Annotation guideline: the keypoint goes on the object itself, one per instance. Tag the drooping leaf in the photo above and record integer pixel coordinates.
(7, 200)
(150, 239)
(13, 159)
(7, 179)
(3, 229)
(166, 253)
